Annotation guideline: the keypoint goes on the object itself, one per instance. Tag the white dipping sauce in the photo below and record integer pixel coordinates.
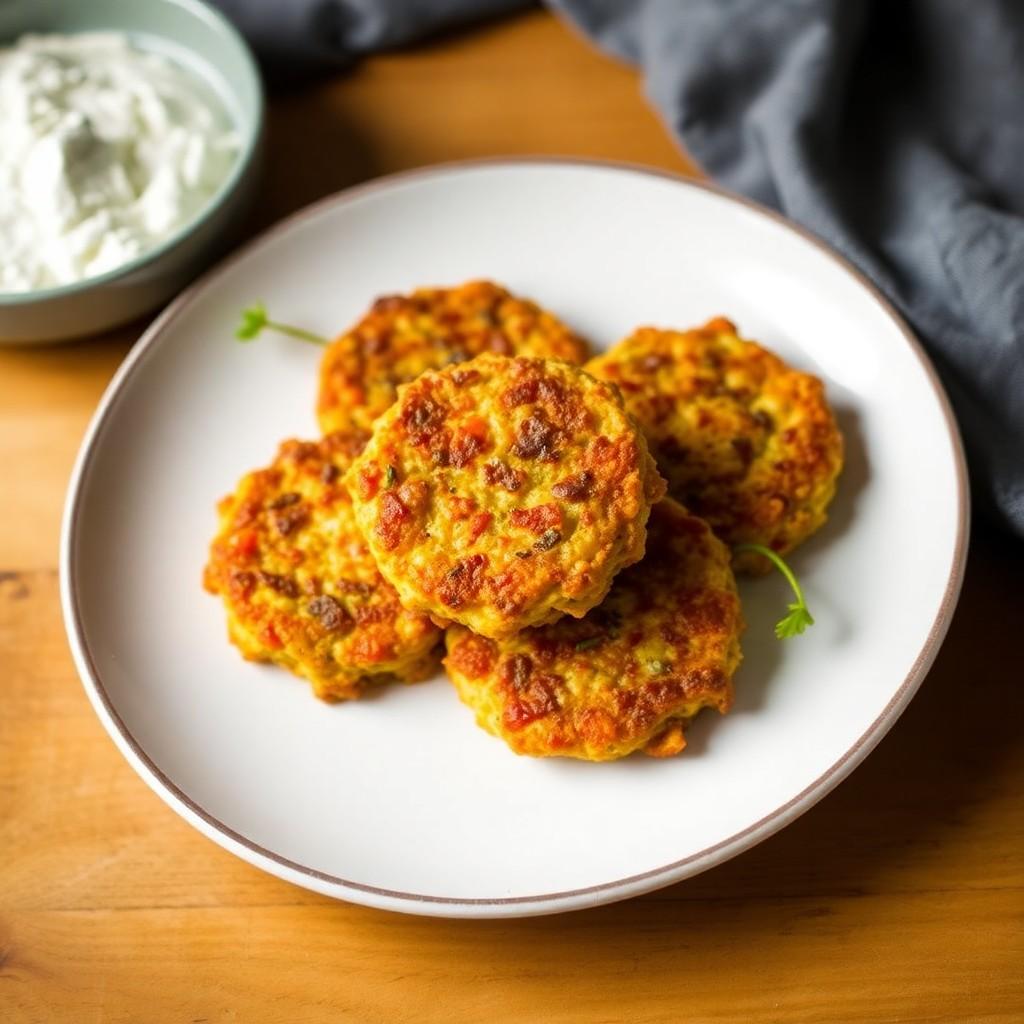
(105, 151)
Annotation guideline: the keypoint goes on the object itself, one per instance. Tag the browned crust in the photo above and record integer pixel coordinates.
(404, 335)
(629, 676)
(299, 587)
(744, 440)
(502, 493)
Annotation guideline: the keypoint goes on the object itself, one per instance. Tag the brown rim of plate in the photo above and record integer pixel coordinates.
(631, 885)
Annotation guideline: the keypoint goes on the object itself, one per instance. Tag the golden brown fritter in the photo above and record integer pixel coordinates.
(631, 675)
(502, 493)
(404, 335)
(300, 588)
(745, 441)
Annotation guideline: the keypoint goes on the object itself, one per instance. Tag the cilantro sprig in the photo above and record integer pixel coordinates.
(799, 616)
(255, 320)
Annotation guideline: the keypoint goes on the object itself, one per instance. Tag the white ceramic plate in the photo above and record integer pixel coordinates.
(400, 801)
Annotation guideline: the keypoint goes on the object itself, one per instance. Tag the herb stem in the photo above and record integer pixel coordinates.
(779, 564)
(297, 332)
(799, 617)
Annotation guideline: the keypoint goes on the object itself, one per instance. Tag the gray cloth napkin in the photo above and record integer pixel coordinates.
(299, 37)
(894, 131)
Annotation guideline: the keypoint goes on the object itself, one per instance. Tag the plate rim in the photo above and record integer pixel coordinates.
(510, 906)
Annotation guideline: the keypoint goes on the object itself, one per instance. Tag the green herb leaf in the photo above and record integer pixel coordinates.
(255, 320)
(590, 641)
(798, 619)
(799, 616)
(390, 476)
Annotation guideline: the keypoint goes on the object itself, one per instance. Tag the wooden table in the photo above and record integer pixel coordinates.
(900, 897)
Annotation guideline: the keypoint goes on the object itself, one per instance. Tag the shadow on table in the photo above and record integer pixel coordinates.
(313, 148)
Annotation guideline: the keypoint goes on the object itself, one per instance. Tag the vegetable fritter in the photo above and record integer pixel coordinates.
(629, 676)
(745, 441)
(299, 585)
(502, 493)
(404, 335)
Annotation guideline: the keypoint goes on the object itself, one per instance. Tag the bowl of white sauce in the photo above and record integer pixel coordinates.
(129, 143)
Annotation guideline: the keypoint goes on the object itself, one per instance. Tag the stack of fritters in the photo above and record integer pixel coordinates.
(474, 478)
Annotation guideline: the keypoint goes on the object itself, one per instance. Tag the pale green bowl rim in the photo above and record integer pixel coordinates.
(213, 17)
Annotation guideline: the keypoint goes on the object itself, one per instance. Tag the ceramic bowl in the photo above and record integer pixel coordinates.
(200, 38)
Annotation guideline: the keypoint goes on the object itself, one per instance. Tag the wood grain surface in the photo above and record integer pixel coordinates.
(898, 898)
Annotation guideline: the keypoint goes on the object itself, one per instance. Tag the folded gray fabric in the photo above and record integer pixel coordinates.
(894, 131)
(299, 37)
